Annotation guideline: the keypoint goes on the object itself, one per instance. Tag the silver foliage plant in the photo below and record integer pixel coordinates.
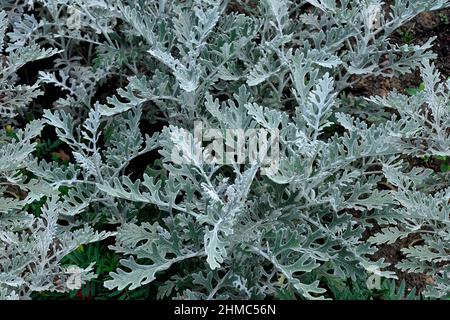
(221, 231)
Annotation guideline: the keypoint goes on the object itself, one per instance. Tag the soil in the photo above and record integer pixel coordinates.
(418, 31)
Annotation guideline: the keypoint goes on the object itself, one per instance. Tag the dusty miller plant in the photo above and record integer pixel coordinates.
(222, 230)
